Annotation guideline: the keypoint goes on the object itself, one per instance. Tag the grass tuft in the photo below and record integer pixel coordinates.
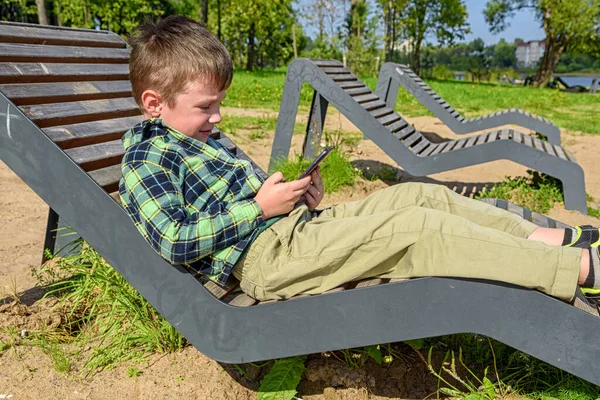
(336, 170)
(538, 192)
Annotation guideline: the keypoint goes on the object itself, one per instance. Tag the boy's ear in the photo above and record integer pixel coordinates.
(152, 103)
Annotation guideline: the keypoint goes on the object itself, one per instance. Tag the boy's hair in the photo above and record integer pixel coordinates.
(173, 53)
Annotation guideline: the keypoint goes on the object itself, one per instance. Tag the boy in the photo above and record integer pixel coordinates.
(198, 205)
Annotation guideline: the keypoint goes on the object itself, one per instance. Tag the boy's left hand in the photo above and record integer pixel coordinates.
(316, 190)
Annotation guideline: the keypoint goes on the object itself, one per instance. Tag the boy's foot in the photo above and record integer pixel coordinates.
(582, 236)
(583, 303)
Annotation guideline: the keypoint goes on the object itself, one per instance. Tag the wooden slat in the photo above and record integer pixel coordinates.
(108, 178)
(242, 300)
(52, 72)
(75, 135)
(470, 141)
(412, 139)
(369, 282)
(221, 291)
(420, 146)
(326, 63)
(439, 148)
(517, 136)
(388, 119)
(528, 141)
(352, 85)
(380, 112)
(427, 152)
(41, 53)
(404, 133)
(480, 139)
(374, 105)
(549, 148)
(45, 115)
(97, 156)
(15, 33)
(460, 143)
(396, 126)
(40, 93)
(336, 70)
(450, 147)
(358, 91)
(366, 97)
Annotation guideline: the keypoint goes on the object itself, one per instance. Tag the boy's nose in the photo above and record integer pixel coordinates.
(215, 118)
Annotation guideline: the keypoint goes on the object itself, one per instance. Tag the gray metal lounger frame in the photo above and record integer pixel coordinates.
(412, 151)
(392, 75)
(525, 319)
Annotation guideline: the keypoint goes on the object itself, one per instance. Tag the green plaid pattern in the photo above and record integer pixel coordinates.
(192, 201)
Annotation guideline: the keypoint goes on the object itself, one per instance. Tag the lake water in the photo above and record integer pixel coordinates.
(580, 80)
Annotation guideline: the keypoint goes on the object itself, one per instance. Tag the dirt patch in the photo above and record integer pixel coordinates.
(28, 373)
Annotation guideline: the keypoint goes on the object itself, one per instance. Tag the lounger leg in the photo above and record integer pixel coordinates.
(50, 239)
(58, 235)
(314, 128)
(287, 116)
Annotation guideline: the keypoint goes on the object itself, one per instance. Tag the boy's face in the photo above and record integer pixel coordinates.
(196, 111)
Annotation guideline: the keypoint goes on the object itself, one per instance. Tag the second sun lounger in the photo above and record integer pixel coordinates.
(392, 75)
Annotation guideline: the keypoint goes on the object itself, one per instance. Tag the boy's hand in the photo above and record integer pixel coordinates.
(277, 197)
(316, 190)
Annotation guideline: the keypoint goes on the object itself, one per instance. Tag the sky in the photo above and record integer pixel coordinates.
(523, 25)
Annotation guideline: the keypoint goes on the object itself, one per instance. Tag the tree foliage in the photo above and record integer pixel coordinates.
(569, 26)
(446, 20)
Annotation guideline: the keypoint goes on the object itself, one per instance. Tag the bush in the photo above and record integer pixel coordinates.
(442, 72)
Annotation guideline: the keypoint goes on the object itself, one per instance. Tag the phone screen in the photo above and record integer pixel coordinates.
(316, 162)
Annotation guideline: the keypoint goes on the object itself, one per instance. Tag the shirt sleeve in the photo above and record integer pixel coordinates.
(178, 233)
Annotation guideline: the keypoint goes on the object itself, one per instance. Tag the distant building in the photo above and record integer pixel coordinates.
(529, 53)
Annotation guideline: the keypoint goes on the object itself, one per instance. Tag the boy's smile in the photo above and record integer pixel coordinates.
(194, 112)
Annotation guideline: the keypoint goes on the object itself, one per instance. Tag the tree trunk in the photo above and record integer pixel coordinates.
(41, 11)
(251, 49)
(204, 12)
(552, 53)
(219, 19)
(416, 62)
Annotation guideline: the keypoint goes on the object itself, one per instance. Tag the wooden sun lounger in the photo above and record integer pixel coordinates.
(393, 75)
(336, 85)
(60, 134)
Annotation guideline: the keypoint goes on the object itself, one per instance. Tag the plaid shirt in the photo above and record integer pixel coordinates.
(192, 201)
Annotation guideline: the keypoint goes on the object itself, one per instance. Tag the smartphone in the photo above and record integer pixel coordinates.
(317, 161)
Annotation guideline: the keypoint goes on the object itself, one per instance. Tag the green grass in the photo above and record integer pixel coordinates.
(105, 312)
(336, 170)
(537, 192)
(574, 111)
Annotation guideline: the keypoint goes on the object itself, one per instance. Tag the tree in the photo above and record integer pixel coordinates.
(324, 16)
(479, 60)
(259, 32)
(361, 38)
(504, 55)
(446, 20)
(392, 24)
(18, 11)
(569, 26)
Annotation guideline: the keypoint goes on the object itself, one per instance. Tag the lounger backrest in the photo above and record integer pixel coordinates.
(74, 84)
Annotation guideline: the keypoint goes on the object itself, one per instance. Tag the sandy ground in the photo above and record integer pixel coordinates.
(28, 373)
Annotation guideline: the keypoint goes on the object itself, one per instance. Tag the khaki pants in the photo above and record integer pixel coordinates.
(404, 231)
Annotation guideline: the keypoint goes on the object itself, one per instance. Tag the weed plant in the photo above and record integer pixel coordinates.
(336, 170)
(538, 192)
(106, 311)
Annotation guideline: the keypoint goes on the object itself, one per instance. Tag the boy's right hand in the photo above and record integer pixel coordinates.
(277, 197)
